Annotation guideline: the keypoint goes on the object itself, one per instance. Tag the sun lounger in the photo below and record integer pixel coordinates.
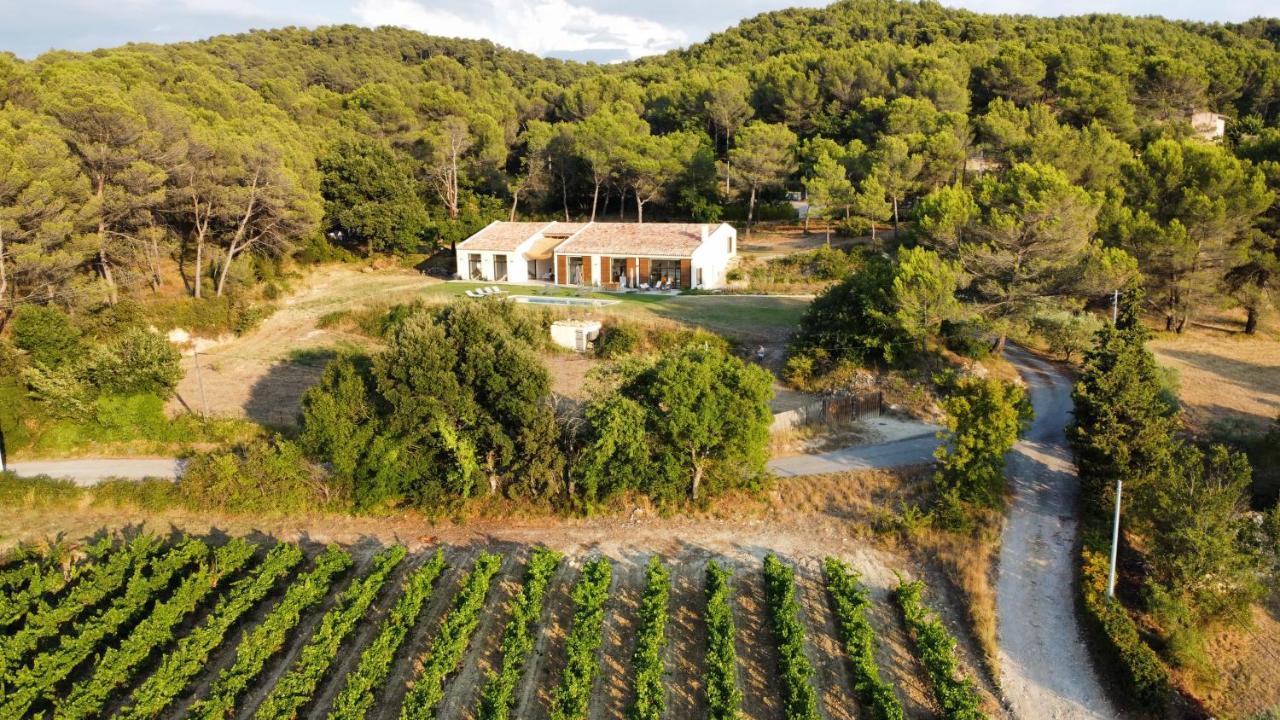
(474, 294)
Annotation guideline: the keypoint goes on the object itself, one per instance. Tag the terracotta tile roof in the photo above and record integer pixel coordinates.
(563, 230)
(503, 236)
(672, 239)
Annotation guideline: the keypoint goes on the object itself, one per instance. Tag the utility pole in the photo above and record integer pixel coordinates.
(1115, 528)
(204, 403)
(1115, 542)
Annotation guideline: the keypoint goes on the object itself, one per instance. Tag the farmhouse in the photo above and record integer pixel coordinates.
(612, 256)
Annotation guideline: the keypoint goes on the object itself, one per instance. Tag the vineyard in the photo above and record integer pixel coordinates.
(217, 628)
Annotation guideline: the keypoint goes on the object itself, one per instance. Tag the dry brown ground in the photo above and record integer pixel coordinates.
(1247, 664)
(802, 520)
(1225, 376)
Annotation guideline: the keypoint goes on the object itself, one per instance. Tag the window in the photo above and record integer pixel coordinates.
(665, 272)
(500, 268)
(473, 267)
(697, 275)
(575, 271)
(618, 271)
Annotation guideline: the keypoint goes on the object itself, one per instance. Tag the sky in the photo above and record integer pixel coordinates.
(600, 30)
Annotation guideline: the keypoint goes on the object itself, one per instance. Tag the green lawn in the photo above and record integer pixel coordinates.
(746, 318)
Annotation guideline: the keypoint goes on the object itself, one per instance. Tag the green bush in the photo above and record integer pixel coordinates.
(617, 339)
(724, 698)
(47, 334)
(264, 476)
(966, 338)
(135, 363)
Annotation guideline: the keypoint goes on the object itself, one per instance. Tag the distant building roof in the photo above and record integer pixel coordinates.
(503, 236)
(673, 239)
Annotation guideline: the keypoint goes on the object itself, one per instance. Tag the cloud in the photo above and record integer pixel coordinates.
(545, 27)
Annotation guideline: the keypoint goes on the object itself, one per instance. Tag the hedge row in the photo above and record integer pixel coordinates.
(1143, 674)
(498, 696)
(651, 700)
(799, 700)
(295, 689)
(851, 601)
(724, 699)
(451, 641)
(359, 693)
(935, 648)
(573, 695)
(256, 647)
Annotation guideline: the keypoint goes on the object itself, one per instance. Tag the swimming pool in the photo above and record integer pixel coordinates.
(567, 301)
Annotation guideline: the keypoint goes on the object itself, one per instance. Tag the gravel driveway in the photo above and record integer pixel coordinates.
(1046, 671)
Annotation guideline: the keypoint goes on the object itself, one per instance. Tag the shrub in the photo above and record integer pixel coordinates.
(135, 363)
(47, 334)
(985, 416)
(617, 339)
(1068, 334)
(451, 641)
(264, 476)
(966, 338)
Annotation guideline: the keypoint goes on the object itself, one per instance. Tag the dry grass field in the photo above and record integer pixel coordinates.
(1224, 375)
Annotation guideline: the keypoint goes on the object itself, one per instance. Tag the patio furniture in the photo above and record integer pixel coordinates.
(474, 294)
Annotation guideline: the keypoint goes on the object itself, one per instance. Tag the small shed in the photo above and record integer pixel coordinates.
(576, 335)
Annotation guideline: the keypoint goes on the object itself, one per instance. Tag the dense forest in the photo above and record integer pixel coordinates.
(220, 157)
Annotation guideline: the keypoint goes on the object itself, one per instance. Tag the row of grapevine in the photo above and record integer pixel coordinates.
(650, 700)
(518, 637)
(359, 693)
(256, 647)
(724, 699)
(851, 601)
(50, 668)
(187, 659)
(451, 641)
(117, 665)
(41, 581)
(100, 582)
(799, 700)
(935, 647)
(573, 695)
(295, 689)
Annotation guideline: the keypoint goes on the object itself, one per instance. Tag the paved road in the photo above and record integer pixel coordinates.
(907, 451)
(91, 471)
(1046, 672)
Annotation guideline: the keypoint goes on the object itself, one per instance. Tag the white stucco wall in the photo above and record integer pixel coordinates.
(517, 268)
(715, 256)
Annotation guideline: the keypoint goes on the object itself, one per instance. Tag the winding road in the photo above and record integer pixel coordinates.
(1046, 670)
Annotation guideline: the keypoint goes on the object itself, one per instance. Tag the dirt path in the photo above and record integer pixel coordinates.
(253, 375)
(830, 661)
(1046, 669)
(463, 698)
(757, 661)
